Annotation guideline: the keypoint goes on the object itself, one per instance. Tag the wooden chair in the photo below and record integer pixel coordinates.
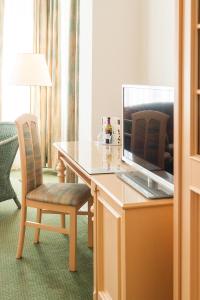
(148, 136)
(62, 198)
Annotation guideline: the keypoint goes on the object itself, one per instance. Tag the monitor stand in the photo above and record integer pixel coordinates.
(145, 185)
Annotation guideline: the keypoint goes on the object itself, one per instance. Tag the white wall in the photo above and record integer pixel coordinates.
(131, 41)
(115, 52)
(157, 41)
(85, 71)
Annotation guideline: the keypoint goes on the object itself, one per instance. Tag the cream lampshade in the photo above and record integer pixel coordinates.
(30, 69)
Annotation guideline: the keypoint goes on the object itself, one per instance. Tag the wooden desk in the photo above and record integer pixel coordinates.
(87, 159)
(133, 236)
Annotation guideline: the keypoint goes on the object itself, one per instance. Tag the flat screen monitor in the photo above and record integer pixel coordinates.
(148, 125)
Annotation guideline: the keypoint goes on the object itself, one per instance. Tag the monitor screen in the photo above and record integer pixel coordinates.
(148, 128)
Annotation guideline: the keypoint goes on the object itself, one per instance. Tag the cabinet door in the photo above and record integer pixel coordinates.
(108, 251)
(189, 203)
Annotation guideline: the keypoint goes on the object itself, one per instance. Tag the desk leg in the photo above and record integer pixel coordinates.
(61, 178)
(60, 171)
(90, 224)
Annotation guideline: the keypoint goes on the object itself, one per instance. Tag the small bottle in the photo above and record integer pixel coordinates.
(108, 132)
(118, 132)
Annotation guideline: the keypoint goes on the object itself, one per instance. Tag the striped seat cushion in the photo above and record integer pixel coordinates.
(61, 193)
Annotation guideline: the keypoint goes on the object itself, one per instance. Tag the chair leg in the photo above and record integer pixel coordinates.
(62, 219)
(17, 202)
(72, 241)
(90, 224)
(21, 232)
(37, 230)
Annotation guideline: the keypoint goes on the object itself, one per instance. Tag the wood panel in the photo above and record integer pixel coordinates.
(195, 246)
(109, 253)
(149, 253)
(178, 147)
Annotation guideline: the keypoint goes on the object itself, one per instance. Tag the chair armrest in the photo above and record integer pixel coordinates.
(15, 137)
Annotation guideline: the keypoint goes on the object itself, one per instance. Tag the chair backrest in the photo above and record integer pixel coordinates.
(31, 165)
(148, 138)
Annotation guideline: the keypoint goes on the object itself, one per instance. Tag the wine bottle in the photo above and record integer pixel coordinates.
(118, 131)
(108, 132)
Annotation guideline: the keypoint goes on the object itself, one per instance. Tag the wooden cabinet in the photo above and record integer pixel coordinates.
(187, 183)
(187, 179)
(132, 243)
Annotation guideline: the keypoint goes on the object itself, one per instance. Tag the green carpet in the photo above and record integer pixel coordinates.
(42, 273)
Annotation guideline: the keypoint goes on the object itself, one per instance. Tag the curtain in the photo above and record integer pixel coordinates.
(73, 76)
(46, 102)
(73, 79)
(1, 49)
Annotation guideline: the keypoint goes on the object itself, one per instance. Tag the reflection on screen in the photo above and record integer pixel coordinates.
(148, 126)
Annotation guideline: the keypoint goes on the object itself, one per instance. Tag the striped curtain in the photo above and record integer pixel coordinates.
(46, 102)
(1, 49)
(73, 77)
